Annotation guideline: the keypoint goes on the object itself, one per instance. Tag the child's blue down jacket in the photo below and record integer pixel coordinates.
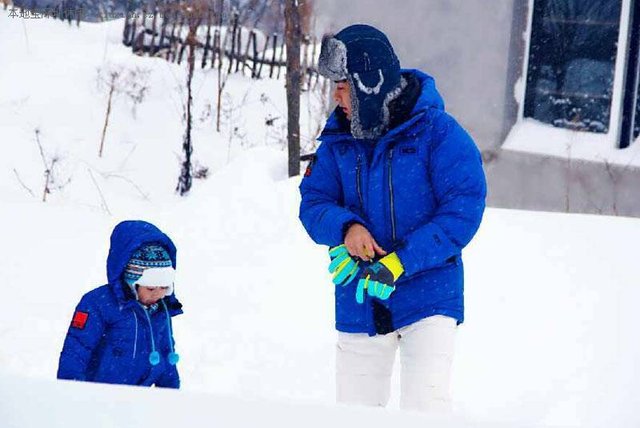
(111, 337)
(420, 190)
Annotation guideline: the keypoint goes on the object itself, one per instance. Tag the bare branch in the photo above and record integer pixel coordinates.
(44, 159)
(47, 168)
(144, 195)
(112, 87)
(104, 202)
(22, 183)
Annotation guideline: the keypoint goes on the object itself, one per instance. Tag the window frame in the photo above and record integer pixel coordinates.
(613, 137)
(632, 78)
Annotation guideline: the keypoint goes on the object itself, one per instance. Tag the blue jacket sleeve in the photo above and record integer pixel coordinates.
(321, 210)
(460, 189)
(81, 340)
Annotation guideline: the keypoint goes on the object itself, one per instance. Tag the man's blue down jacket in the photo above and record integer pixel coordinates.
(420, 190)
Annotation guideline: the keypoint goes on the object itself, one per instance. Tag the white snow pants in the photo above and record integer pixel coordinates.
(364, 365)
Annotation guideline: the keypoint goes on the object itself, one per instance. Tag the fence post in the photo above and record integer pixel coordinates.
(305, 60)
(172, 39)
(273, 55)
(79, 15)
(223, 45)
(139, 40)
(183, 42)
(233, 41)
(163, 31)
(152, 49)
(127, 27)
(282, 50)
(311, 68)
(254, 68)
(134, 28)
(206, 44)
(264, 53)
(69, 14)
(246, 52)
(216, 48)
(239, 50)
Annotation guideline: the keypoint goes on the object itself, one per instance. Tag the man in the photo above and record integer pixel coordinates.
(396, 190)
(121, 332)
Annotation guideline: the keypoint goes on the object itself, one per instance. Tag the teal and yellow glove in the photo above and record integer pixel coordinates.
(379, 278)
(343, 267)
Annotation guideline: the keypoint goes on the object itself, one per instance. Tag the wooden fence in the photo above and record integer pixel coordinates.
(163, 33)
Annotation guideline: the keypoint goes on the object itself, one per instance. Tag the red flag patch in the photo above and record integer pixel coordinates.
(79, 319)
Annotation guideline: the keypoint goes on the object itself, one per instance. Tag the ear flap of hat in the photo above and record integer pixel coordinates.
(332, 63)
(370, 116)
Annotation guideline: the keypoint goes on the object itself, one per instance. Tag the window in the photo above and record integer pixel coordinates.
(632, 92)
(572, 59)
(577, 75)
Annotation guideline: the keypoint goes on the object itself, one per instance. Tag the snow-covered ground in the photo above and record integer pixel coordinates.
(549, 337)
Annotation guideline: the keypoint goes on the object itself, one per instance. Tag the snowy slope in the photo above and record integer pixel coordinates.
(548, 338)
(49, 81)
(549, 335)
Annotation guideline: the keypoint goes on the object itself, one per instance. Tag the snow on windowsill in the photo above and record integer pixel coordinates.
(532, 136)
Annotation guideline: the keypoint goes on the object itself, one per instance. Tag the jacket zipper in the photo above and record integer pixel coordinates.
(358, 182)
(393, 214)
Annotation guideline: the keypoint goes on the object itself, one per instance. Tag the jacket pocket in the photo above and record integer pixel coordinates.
(348, 311)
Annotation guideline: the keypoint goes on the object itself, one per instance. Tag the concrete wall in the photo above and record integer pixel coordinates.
(463, 44)
(537, 182)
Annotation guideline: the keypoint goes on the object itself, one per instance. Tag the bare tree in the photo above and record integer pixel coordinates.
(306, 16)
(253, 12)
(48, 167)
(49, 164)
(133, 83)
(194, 13)
(293, 37)
(113, 77)
(222, 76)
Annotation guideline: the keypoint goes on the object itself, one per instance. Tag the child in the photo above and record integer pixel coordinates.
(121, 332)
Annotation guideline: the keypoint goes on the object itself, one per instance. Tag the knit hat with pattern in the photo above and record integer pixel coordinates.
(150, 266)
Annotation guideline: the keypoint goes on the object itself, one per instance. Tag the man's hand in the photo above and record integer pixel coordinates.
(360, 243)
